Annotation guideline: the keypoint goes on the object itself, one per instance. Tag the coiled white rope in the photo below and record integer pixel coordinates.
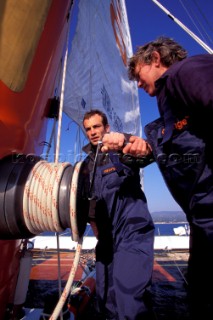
(40, 200)
(40, 210)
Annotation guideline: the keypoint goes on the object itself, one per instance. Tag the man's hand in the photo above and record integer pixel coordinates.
(136, 146)
(113, 141)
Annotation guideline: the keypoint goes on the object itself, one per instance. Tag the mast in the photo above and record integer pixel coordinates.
(192, 34)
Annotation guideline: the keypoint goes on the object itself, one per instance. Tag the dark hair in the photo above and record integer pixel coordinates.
(93, 112)
(169, 50)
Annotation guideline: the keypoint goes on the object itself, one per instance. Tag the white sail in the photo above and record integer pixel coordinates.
(97, 66)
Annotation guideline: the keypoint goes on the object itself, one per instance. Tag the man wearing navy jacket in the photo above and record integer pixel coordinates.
(182, 143)
(123, 226)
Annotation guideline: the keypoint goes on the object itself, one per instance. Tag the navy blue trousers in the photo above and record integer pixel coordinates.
(124, 252)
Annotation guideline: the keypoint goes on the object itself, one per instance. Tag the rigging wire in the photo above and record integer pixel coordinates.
(61, 106)
(78, 145)
(192, 34)
(203, 15)
(49, 145)
(178, 268)
(199, 25)
(57, 234)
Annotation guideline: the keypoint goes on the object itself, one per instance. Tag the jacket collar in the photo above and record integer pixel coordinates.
(89, 149)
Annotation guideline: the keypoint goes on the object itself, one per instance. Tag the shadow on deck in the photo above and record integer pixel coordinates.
(168, 289)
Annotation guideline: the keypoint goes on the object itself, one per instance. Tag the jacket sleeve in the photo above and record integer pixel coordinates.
(192, 84)
(137, 162)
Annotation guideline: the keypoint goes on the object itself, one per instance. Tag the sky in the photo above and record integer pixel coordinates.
(147, 21)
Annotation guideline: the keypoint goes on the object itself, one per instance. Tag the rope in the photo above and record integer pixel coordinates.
(181, 273)
(40, 209)
(40, 200)
(66, 290)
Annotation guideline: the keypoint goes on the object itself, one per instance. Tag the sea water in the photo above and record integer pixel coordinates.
(167, 229)
(161, 229)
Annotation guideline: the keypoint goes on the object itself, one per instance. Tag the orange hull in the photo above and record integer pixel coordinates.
(23, 113)
(22, 119)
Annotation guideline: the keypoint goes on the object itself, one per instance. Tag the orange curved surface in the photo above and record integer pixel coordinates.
(23, 121)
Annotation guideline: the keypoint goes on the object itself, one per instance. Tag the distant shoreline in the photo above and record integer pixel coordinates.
(169, 222)
(169, 217)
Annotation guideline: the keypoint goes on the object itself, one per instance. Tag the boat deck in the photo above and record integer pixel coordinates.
(168, 288)
(170, 285)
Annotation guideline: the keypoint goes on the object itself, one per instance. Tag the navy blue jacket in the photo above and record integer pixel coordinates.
(124, 251)
(182, 137)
